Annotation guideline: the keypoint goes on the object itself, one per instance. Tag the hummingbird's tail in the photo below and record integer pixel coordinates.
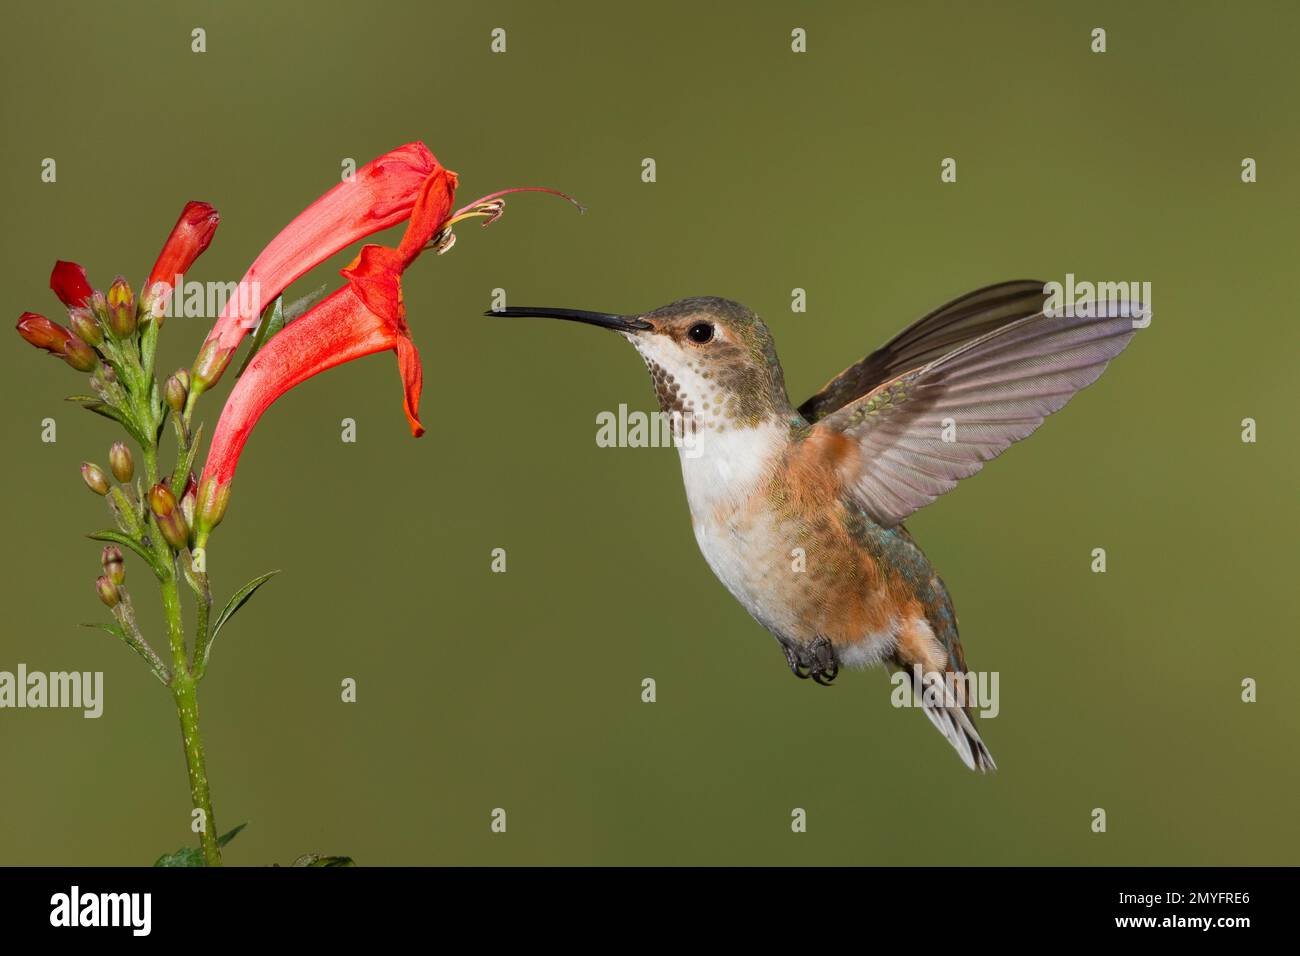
(943, 699)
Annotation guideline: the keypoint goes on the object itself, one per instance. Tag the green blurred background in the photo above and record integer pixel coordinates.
(775, 170)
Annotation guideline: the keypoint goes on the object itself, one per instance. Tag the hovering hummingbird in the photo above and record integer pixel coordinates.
(834, 479)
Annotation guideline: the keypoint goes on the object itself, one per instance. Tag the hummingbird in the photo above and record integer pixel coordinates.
(799, 511)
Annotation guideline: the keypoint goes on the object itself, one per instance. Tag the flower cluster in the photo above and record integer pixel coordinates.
(165, 518)
(112, 335)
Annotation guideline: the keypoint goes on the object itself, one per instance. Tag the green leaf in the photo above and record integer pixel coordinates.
(126, 541)
(298, 306)
(315, 859)
(276, 317)
(99, 407)
(237, 600)
(114, 629)
(272, 321)
(120, 633)
(193, 856)
(186, 857)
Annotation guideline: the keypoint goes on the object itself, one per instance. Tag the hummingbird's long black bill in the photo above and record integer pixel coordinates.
(606, 320)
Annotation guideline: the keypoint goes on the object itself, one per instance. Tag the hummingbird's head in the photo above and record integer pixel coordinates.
(711, 359)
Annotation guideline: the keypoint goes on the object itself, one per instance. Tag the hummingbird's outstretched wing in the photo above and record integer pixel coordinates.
(943, 330)
(921, 432)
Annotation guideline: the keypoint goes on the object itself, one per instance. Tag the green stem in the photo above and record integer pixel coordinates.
(202, 637)
(187, 708)
(149, 348)
(150, 465)
(191, 399)
(182, 447)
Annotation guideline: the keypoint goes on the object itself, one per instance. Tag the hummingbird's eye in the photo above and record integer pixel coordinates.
(700, 332)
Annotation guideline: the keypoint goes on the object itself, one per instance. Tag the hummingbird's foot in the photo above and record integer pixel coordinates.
(798, 667)
(824, 667)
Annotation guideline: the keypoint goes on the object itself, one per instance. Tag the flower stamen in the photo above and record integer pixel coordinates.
(489, 208)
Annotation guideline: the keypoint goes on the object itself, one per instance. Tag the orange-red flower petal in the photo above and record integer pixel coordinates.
(381, 194)
(337, 330)
(365, 316)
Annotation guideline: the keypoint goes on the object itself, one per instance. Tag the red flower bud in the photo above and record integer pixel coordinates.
(68, 280)
(42, 333)
(189, 237)
(55, 339)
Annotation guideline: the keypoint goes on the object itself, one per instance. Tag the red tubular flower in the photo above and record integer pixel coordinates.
(380, 195)
(191, 235)
(68, 280)
(365, 316)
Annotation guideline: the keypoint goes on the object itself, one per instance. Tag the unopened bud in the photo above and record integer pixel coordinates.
(120, 461)
(85, 326)
(188, 499)
(79, 355)
(212, 361)
(161, 500)
(209, 509)
(168, 515)
(95, 478)
(121, 308)
(39, 331)
(154, 302)
(176, 389)
(69, 282)
(114, 565)
(99, 306)
(107, 590)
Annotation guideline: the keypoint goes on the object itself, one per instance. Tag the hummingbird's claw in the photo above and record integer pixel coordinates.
(797, 667)
(824, 666)
(825, 678)
(817, 661)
